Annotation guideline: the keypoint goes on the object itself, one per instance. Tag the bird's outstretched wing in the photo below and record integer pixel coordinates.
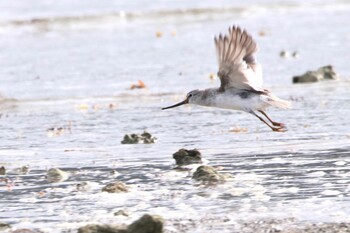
(238, 67)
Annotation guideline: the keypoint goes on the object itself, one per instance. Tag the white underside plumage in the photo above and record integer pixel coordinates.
(237, 103)
(232, 100)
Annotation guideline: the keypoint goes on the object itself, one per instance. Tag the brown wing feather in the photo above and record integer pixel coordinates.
(237, 64)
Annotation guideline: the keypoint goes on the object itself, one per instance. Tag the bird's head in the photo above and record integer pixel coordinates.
(191, 97)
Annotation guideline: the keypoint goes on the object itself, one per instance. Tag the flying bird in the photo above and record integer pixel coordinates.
(240, 80)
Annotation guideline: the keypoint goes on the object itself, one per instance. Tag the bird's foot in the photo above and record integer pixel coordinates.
(280, 125)
(279, 129)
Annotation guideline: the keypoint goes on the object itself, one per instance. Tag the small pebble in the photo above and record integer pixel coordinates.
(121, 213)
(116, 187)
(2, 171)
(159, 34)
(212, 76)
(54, 175)
(284, 54)
(139, 85)
(295, 54)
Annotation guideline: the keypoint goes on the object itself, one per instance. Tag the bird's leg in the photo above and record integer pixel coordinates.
(273, 122)
(277, 129)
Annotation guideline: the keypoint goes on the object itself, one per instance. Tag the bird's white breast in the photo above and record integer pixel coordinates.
(236, 102)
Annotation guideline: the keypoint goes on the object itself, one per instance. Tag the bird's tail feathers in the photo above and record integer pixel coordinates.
(279, 103)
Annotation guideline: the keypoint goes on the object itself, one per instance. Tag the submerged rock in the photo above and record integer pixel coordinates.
(145, 138)
(22, 170)
(295, 54)
(121, 213)
(2, 171)
(4, 226)
(209, 174)
(323, 73)
(24, 230)
(117, 187)
(147, 224)
(284, 54)
(56, 175)
(83, 186)
(186, 157)
(96, 228)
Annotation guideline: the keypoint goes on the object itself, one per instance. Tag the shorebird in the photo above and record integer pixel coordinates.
(241, 80)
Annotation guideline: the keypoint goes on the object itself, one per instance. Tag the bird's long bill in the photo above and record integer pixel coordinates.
(176, 105)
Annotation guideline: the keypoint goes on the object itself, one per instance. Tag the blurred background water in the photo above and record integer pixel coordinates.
(70, 64)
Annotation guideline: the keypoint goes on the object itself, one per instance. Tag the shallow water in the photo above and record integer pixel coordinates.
(75, 72)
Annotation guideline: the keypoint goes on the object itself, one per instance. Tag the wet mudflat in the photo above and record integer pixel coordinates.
(68, 103)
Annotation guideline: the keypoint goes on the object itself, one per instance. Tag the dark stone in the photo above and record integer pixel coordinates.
(208, 174)
(147, 224)
(145, 138)
(130, 139)
(4, 226)
(2, 171)
(284, 54)
(83, 186)
(121, 213)
(56, 175)
(117, 187)
(26, 231)
(323, 73)
(186, 157)
(95, 228)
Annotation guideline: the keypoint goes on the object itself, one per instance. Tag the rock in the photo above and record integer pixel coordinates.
(323, 73)
(114, 173)
(117, 187)
(2, 171)
(159, 34)
(145, 138)
(147, 224)
(4, 226)
(56, 175)
(212, 76)
(295, 54)
(121, 213)
(22, 170)
(284, 54)
(262, 33)
(186, 157)
(130, 139)
(95, 228)
(24, 230)
(208, 174)
(83, 186)
(139, 85)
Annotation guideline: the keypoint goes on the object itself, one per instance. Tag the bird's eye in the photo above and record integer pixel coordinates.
(190, 95)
